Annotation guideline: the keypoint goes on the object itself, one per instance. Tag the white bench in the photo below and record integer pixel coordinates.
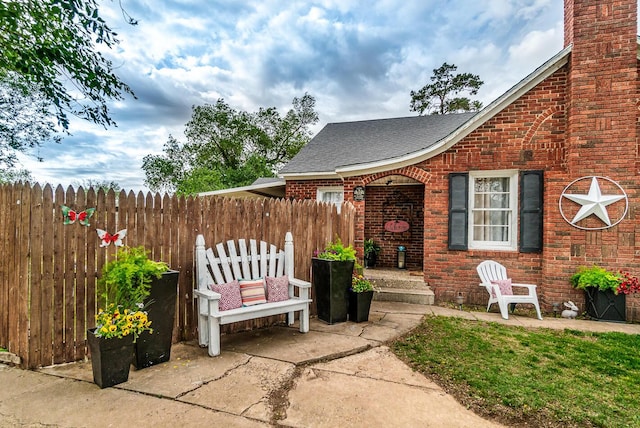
(248, 264)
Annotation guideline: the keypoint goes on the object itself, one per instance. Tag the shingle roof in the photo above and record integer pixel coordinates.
(352, 143)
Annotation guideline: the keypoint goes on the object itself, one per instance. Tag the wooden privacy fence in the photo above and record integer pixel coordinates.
(49, 270)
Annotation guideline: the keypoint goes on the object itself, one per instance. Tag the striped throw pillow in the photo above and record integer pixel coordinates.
(252, 291)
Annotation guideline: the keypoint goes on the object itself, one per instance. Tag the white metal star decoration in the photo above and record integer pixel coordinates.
(593, 202)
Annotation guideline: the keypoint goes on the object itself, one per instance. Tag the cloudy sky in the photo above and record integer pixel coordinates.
(359, 59)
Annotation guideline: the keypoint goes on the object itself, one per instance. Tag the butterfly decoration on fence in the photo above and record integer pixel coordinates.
(70, 216)
(108, 238)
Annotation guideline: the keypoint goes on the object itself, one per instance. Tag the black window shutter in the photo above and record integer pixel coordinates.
(458, 211)
(531, 199)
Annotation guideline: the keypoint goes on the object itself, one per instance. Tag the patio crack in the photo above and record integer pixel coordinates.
(222, 376)
(278, 399)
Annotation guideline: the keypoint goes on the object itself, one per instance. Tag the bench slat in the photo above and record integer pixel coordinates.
(255, 259)
(215, 267)
(244, 259)
(262, 310)
(233, 256)
(263, 259)
(224, 263)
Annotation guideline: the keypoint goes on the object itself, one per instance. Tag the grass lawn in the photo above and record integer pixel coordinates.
(530, 377)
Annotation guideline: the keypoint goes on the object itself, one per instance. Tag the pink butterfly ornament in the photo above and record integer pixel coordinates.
(108, 238)
(70, 216)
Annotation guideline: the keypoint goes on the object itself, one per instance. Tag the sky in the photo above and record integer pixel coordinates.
(358, 59)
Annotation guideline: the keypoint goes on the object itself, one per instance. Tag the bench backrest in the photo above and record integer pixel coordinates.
(239, 261)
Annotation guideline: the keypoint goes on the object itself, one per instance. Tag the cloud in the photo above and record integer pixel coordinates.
(359, 60)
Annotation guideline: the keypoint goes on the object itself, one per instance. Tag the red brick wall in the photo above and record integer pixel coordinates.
(307, 189)
(527, 135)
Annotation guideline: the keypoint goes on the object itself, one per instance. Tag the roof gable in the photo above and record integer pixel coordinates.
(364, 147)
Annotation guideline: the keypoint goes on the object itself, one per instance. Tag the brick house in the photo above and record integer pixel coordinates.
(498, 184)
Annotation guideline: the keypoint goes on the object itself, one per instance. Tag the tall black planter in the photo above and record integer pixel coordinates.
(370, 260)
(605, 305)
(331, 282)
(155, 348)
(359, 305)
(110, 358)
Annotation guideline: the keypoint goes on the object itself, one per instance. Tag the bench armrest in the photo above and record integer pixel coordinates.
(299, 283)
(207, 294)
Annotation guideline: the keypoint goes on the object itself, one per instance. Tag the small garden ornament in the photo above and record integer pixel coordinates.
(572, 310)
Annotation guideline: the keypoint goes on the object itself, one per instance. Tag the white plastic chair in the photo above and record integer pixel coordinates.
(490, 271)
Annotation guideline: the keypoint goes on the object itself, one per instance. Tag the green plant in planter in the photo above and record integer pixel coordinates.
(337, 251)
(122, 291)
(597, 277)
(360, 284)
(371, 248)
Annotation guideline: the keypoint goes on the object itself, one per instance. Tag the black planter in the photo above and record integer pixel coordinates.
(110, 359)
(331, 282)
(155, 348)
(370, 260)
(605, 305)
(359, 305)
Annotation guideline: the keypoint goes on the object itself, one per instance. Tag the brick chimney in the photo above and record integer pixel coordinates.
(602, 92)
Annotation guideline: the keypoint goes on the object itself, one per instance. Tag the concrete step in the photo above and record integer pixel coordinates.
(408, 283)
(398, 285)
(405, 295)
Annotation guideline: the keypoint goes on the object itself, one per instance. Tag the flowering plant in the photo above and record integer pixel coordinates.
(337, 251)
(116, 321)
(629, 284)
(360, 284)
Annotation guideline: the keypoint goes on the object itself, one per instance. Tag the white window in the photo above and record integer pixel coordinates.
(333, 195)
(493, 200)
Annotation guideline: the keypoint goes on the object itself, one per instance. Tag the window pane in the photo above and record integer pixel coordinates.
(491, 184)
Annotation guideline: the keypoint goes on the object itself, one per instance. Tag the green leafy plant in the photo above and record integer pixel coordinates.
(122, 291)
(360, 284)
(371, 247)
(596, 276)
(337, 251)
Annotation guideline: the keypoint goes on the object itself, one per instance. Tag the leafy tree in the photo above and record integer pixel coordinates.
(24, 121)
(97, 184)
(439, 97)
(229, 148)
(12, 175)
(48, 58)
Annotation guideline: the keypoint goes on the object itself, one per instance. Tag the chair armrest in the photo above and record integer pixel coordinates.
(529, 286)
(207, 294)
(299, 283)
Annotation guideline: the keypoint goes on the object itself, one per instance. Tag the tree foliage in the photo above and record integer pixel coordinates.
(25, 121)
(48, 57)
(227, 148)
(440, 97)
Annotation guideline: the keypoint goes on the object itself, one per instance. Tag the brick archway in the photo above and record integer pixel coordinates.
(396, 202)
